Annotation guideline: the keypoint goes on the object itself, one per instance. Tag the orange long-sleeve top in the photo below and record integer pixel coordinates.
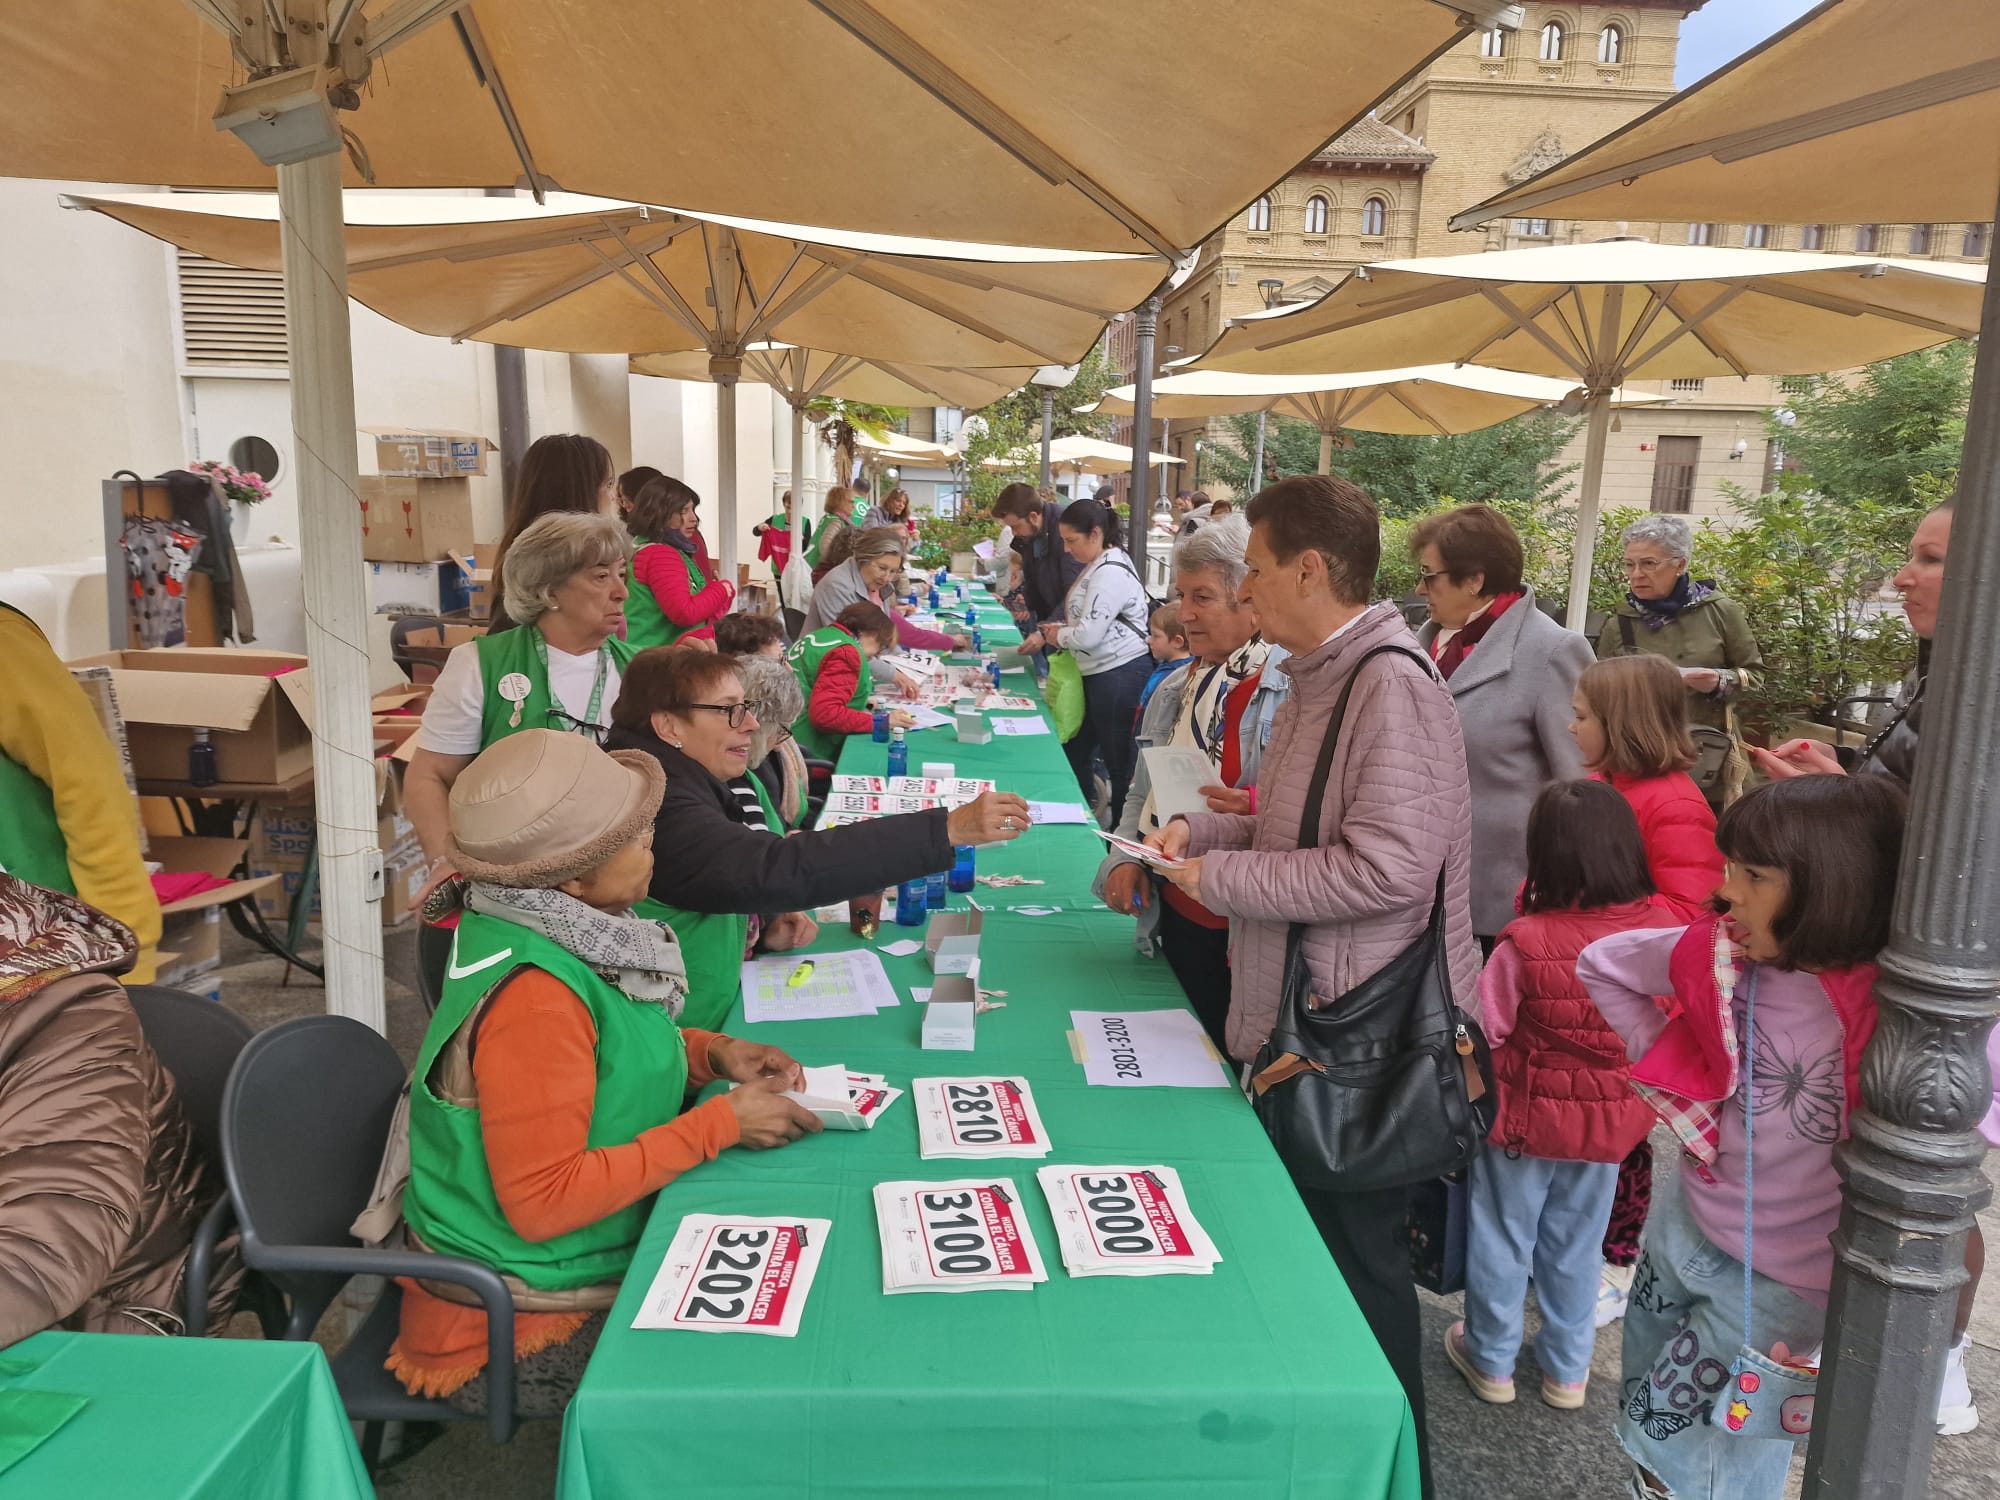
(536, 1071)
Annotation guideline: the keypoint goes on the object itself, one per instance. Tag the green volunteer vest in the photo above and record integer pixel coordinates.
(32, 846)
(646, 624)
(514, 651)
(641, 1078)
(712, 945)
(805, 656)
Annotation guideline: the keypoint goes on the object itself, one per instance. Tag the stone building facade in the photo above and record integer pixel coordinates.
(1493, 111)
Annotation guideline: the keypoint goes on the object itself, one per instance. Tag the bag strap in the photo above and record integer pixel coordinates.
(1323, 767)
(1625, 634)
(1749, 1070)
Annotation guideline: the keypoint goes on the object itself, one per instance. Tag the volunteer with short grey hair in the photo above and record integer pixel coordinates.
(1669, 612)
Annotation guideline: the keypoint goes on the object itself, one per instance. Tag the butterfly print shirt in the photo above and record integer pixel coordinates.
(1792, 1079)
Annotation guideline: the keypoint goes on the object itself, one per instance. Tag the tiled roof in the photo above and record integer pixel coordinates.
(1370, 139)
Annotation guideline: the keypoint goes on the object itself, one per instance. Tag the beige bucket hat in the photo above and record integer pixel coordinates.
(540, 807)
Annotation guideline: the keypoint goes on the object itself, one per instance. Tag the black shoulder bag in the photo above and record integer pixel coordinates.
(1387, 1085)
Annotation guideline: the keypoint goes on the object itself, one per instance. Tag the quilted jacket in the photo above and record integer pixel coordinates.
(102, 1185)
(1397, 805)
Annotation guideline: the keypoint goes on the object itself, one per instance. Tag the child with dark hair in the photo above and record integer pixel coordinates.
(1565, 1111)
(750, 635)
(1756, 1068)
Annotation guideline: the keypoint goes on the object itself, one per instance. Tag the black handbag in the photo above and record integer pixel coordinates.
(1387, 1085)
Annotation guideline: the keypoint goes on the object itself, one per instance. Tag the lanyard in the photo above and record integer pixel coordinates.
(588, 724)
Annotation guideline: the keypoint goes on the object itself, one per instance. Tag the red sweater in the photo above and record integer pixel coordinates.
(839, 674)
(1678, 828)
(663, 569)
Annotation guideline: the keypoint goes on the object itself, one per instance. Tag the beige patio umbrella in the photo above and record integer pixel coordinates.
(594, 275)
(1422, 400)
(1602, 314)
(1900, 124)
(1080, 455)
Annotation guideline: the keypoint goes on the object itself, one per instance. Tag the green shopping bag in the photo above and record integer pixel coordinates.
(1062, 690)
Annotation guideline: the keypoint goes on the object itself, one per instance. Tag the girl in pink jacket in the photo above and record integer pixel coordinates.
(1773, 1005)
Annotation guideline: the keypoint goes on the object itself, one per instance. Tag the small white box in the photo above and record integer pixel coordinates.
(940, 770)
(952, 942)
(948, 1018)
(972, 728)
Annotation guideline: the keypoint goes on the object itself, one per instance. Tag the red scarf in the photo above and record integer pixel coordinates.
(1460, 645)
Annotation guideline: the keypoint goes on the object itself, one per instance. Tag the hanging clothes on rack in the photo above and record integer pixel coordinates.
(200, 505)
(159, 556)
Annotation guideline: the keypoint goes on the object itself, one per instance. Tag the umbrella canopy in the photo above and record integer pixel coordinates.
(935, 117)
(803, 376)
(1901, 124)
(1619, 310)
(894, 447)
(597, 276)
(1424, 399)
(1080, 455)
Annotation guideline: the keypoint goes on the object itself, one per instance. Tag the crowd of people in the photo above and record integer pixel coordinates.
(613, 787)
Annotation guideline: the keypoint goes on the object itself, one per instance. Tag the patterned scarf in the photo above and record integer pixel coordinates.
(46, 936)
(1204, 707)
(1656, 614)
(640, 958)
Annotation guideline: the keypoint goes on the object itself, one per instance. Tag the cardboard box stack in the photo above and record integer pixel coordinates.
(417, 506)
(256, 705)
(191, 928)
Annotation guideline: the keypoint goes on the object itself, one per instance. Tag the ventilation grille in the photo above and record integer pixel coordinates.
(232, 316)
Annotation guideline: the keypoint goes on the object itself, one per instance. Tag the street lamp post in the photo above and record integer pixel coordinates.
(1051, 378)
(1270, 288)
(1146, 323)
(1911, 1162)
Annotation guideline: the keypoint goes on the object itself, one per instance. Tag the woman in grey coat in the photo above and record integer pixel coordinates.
(1511, 670)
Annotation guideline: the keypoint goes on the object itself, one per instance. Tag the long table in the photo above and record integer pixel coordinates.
(1259, 1380)
(177, 1419)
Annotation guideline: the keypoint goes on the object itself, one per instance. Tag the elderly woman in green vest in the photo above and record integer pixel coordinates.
(560, 670)
(1668, 612)
(545, 1106)
(671, 596)
(727, 880)
(832, 665)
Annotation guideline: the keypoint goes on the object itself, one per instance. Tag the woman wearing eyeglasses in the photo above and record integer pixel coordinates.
(559, 670)
(726, 879)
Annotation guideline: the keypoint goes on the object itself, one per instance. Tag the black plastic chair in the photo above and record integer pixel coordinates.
(304, 1118)
(197, 1041)
(400, 650)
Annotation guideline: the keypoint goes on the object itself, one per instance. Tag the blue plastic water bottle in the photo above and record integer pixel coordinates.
(961, 868)
(942, 575)
(913, 598)
(993, 672)
(899, 753)
(978, 641)
(881, 726)
(934, 891)
(934, 598)
(971, 614)
(910, 903)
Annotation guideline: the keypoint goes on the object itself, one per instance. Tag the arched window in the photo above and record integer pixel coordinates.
(1611, 44)
(1812, 237)
(1552, 42)
(1260, 216)
(1701, 234)
(1921, 236)
(1493, 43)
(1315, 215)
(1973, 245)
(1866, 236)
(1374, 218)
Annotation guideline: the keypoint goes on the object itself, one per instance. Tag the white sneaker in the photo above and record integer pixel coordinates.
(1614, 1286)
(1956, 1413)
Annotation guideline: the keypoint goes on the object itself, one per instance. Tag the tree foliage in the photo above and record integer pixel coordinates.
(1881, 437)
(1010, 428)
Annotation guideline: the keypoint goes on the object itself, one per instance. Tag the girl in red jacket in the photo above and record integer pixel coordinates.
(1630, 721)
(1566, 1114)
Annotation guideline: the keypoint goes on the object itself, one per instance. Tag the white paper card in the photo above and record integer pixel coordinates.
(1018, 727)
(727, 1274)
(977, 1117)
(1179, 772)
(852, 983)
(1125, 1221)
(902, 949)
(1147, 1049)
(966, 1235)
(1058, 812)
(1145, 854)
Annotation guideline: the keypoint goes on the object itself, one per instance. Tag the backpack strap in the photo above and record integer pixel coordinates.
(1625, 636)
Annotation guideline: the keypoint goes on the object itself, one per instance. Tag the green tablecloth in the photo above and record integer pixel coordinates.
(221, 1419)
(1260, 1380)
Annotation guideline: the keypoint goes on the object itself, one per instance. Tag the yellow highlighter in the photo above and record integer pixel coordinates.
(800, 975)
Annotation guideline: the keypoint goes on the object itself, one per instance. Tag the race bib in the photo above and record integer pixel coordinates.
(975, 1117)
(955, 1236)
(726, 1274)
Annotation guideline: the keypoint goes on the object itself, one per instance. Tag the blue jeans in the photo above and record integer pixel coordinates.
(1683, 1327)
(1548, 1217)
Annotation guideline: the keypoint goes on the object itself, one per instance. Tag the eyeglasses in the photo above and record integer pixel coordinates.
(735, 713)
(1425, 578)
(1646, 564)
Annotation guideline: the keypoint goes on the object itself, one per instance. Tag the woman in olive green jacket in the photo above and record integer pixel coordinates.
(1669, 613)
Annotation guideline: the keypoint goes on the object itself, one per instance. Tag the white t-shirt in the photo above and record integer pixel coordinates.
(453, 718)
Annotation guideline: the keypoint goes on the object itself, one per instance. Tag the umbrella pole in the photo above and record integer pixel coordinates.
(1048, 430)
(1910, 1166)
(336, 593)
(1326, 452)
(1257, 462)
(1146, 322)
(724, 372)
(1585, 546)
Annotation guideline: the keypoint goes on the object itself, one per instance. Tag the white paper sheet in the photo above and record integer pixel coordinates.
(926, 718)
(1179, 772)
(1017, 727)
(852, 983)
(903, 949)
(1133, 849)
(1058, 812)
(700, 1286)
(1147, 1049)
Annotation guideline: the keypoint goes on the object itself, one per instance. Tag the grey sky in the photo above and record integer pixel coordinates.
(1723, 29)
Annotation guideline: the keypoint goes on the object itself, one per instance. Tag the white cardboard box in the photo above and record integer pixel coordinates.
(949, 1017)
(952, 942)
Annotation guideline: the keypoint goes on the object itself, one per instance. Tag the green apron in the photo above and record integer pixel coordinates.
(512, 652)
(806, 656)
(641, 1078)
(712, 944)
(646, 624)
